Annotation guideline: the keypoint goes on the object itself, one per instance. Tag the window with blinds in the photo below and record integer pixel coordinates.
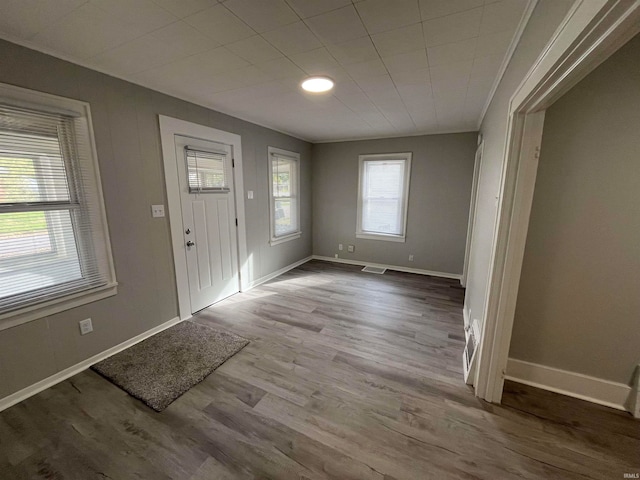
(53, 240)
(206, 171)
(383, 195)
(284, 195)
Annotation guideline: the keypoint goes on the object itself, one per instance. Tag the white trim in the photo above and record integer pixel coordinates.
(516, 207)
(524, 20)
(473, 204)
(288, 238)
(62, 375)
(79, 110)
(466, 317)
(577, 385)
(41, 310)
(169, 128)
(294, 157)
(406, 157)
(422, 133)
(396, 268)
(275, 274)
(591, 32)
(380, 236)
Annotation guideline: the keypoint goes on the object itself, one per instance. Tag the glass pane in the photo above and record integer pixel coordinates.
(381, 215)
(206, 171)
(37, 250)
(286, 216)
(283, 177)
(383, 196)
(31, 169)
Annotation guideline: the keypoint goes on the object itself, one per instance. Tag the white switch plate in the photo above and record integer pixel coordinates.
(340, 247)
(411, 258)
(350, 248)
(157, 211)
(250, 194)
(85, 326)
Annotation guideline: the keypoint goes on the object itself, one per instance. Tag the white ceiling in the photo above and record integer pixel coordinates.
(402, 67)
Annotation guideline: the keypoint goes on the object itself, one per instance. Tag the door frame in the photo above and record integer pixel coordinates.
(477, 166)
(590, 33)
(169, 128)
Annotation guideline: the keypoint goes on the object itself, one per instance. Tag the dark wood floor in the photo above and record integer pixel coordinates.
(348, 375)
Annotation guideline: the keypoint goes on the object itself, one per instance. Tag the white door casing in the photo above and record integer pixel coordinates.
(590, 33)
(209, 225)
(472, 213)
(169, 128)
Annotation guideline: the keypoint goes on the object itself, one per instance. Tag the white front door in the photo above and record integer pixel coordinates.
(205, 172)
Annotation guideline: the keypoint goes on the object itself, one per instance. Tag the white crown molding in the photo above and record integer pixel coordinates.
(419, 134)
(524, 20)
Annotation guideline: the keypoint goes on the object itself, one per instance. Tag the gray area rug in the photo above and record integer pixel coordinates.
(161, 368)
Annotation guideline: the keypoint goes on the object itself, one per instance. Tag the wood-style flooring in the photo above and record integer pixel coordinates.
(348, 375)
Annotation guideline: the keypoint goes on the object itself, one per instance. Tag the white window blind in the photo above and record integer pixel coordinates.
(206, 171)
(382, 202)
(283, 189)
(52, 237)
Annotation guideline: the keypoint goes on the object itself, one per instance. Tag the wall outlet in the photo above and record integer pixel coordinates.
(250, 195)
(411, 258)
(85, 326)
(351, 248)
(340, 247)
(157, 211)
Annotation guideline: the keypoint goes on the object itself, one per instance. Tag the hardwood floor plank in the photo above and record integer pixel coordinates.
(348, 376)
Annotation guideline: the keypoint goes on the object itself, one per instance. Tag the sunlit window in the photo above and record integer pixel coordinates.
(382, 197)
(284, 195)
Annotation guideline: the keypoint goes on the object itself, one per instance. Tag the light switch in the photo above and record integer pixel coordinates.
(250, 194)
(157, 211)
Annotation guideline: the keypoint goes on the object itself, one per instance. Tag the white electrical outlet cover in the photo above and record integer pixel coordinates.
(85, 326)
(157, 211)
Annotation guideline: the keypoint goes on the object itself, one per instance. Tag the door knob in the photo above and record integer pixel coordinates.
(190, 244)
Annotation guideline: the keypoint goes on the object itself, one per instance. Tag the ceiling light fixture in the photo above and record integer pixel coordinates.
(317, 84)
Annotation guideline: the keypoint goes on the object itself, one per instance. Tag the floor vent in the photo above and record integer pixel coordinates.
(378, 270)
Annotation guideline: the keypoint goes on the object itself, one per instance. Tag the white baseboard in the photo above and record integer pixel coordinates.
(396, 268)
(31, 390)
(275, 274)
(584, 387)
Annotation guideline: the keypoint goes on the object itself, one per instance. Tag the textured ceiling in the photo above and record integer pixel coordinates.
(402, 67)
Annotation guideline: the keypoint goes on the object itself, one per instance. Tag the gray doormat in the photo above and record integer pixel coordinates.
(161, 368)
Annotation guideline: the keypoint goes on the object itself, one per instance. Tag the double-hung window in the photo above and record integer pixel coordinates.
(383, 192)
(284, 195)
(54, 246)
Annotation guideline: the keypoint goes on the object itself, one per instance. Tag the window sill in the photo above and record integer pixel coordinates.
(279, 240)
(35, 312)
(381, 236)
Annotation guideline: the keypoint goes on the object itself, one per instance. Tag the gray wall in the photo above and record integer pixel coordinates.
(439, 194)
(579, 300)
(546, 17)
(128, 140)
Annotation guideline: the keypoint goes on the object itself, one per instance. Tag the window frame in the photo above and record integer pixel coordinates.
(381, 157)
(47, 103)
(295, 157)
